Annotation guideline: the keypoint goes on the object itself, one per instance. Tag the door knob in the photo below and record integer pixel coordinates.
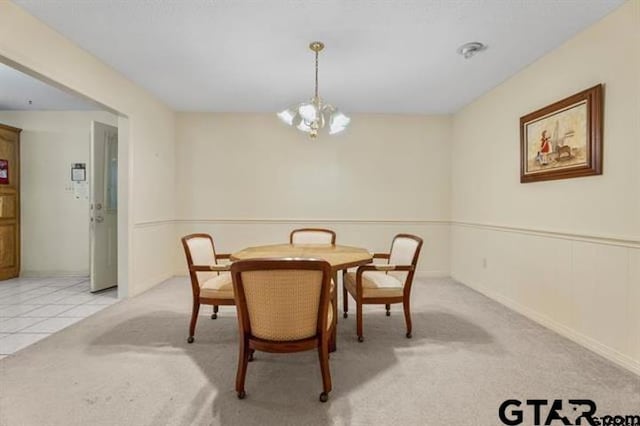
(99, 219)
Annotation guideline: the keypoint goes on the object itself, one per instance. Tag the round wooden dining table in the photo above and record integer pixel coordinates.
(339, 257)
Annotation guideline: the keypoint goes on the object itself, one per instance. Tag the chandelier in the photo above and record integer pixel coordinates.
(313, 115)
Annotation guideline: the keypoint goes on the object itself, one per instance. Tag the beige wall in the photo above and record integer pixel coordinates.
(566, 253)
(145, 233)
(249, 179)
(563, 252)
(55, 225)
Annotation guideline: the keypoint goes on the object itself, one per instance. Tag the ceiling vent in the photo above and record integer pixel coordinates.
(469, 49)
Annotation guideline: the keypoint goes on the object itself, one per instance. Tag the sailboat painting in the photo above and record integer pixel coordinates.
(564, 139)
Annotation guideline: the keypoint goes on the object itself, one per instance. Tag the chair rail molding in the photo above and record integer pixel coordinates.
(248, 221)
(153, 223)
(614, 240)
(317, 220)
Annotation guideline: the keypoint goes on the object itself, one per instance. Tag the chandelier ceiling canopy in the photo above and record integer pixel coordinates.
(313, 115)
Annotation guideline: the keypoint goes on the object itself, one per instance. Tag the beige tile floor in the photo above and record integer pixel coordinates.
(34, 308)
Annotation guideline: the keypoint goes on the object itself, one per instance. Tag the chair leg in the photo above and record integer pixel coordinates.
(194, 319)
(407, 316)
(345, 300)
(214, 315)
(359, 320)
(323, 355)
(388, 307)
(333, 345)
(243, 362)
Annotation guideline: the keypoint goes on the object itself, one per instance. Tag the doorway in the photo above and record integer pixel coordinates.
(59, 258)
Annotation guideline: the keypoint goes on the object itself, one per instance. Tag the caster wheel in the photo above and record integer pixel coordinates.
(360, 339)
(214, 316)
(409, 336)
(251, 357)
(345, 315)
(241, 394)
(190, 339)
(388, 313)
(324, 397)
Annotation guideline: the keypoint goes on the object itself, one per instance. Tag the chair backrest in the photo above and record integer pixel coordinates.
(312, 236)
(405, 250)
(282, 300)
(199, 250)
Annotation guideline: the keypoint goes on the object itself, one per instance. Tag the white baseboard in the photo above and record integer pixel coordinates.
(150, 283)
(601, 349)
(54, 274)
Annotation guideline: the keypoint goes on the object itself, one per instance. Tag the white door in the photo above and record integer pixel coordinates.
(104, 206)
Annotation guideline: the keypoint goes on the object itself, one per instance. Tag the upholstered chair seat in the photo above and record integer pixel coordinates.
(375, 284)
(218, 287)
(385, 283)
(211, 282)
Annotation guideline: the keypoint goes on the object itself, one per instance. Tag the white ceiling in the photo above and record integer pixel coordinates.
(391, 56)
(17, 89)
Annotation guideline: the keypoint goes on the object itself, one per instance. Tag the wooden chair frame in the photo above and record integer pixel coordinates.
(195, 284)
(387, 301)
(328, 231)
(250, 343)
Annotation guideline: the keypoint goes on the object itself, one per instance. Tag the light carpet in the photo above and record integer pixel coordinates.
(130, 365)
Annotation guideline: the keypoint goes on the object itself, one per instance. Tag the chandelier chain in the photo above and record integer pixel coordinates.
(316, 74)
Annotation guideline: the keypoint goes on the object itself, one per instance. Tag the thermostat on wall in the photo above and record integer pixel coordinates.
(78, 172)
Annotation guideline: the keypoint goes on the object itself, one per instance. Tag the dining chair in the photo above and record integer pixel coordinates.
(384, 283)
(210, 281)
(283, 305)
(312, 236)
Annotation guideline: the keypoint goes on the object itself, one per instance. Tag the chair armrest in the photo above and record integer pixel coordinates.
(383, 267)
(381, 255)
(209, 268)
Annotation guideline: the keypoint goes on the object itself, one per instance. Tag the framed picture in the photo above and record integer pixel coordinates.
(563, 140)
